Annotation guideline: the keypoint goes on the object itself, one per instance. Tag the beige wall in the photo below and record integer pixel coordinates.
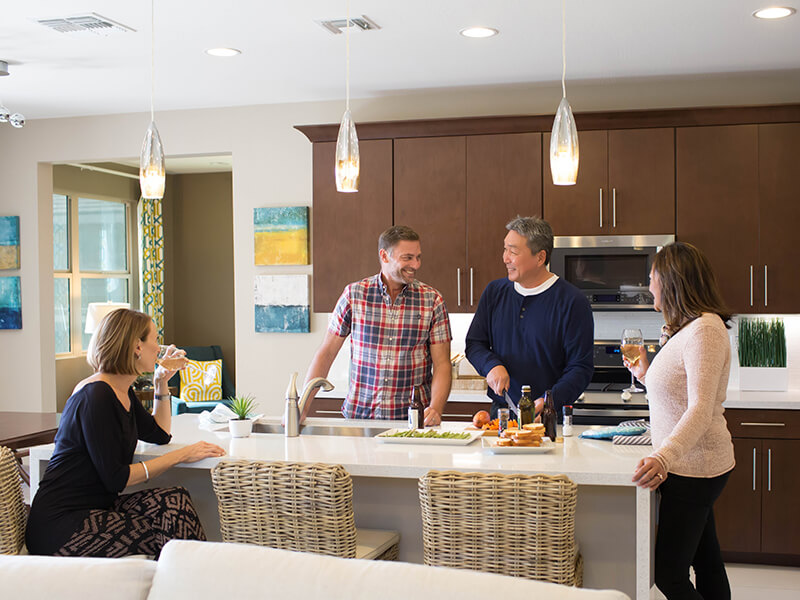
(272, 166)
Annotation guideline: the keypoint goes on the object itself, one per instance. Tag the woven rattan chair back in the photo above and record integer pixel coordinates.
(519, 525)
(304, 507)
(12, 507)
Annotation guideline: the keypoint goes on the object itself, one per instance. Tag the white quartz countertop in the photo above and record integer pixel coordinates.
(590, 462)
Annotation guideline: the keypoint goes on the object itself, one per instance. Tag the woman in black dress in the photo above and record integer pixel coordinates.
(78, 509)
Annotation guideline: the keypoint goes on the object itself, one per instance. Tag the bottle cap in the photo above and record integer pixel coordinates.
(526, 388)
(567, 410)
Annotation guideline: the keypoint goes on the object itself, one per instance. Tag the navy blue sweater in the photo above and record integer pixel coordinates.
(544, 341)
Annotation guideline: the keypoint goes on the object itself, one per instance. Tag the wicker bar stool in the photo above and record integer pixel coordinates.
(519, 525)
(13, 514)
(295, 506)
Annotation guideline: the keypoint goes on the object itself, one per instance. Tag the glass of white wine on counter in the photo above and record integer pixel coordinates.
(632, 342)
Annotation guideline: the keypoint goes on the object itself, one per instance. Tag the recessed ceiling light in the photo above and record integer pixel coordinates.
(774, 12)
(223, 52)
(478, 32)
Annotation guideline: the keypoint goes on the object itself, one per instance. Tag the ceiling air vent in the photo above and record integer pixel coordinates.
(364, 23)
(91, 23)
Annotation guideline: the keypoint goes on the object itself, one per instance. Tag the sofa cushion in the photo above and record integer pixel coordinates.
(189, 570)
(51, 578)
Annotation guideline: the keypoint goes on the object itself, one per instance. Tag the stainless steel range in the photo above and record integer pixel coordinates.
(604, 402)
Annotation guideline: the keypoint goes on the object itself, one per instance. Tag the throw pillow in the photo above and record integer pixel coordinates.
(201, 381)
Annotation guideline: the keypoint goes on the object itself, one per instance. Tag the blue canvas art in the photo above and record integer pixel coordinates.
(9, 242)
(281, 304)
(10, 303)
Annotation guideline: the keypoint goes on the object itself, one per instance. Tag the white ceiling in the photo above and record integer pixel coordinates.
(288, 57)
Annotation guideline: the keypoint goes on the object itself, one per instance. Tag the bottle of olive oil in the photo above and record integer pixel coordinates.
(549, 417)
(525, 407)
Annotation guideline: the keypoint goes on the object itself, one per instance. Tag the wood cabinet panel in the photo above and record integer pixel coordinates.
(780, 519)
(779, 209)
(345, 226)
(737, 512)
(763, 424)
(504, 179)
(430, 197)
(716, 206)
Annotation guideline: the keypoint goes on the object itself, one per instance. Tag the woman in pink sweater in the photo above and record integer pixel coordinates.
(693, 452)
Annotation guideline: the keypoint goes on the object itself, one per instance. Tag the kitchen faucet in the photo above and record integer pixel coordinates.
(294, 408)
(310, 387)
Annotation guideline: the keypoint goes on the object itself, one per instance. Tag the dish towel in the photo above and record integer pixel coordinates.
(635, 440)
(608, 433)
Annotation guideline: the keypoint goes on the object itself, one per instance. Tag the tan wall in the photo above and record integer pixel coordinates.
(199, 228)
(69, 371)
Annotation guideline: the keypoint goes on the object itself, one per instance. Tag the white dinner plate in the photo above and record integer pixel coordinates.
(491, 446)
(384, 437)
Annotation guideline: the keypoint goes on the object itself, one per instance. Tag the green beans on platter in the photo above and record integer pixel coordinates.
(428, 433)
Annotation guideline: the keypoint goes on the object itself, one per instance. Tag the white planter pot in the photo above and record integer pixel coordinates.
(240, 428)
(763, 379)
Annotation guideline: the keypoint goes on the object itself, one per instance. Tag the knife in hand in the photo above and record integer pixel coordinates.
(511, 405)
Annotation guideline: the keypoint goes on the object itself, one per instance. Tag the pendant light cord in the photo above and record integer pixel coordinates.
(347, 46)
(563, 47)
(152, 58)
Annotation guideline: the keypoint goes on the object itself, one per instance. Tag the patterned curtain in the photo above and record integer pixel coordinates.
(151, 261)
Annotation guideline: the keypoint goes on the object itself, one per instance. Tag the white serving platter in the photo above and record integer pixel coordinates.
(385, 438)
(491, 446)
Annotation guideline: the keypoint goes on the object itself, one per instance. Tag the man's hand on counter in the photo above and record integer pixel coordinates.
(432, 417)
(498, 379)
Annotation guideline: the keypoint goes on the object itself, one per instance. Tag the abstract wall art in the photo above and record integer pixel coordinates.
(10, 303)
(281, 235)
(281, 304)
(9, 242)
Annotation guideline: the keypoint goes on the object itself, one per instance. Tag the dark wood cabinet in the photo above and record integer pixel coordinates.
(626, 185)
(345, 226)
(756, 514)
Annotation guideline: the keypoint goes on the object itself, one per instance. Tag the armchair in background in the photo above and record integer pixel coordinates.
(201, 353)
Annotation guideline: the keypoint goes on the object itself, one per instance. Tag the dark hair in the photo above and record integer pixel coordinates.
(688, 285)
(397, 233)
(537, 232)
(113, 346)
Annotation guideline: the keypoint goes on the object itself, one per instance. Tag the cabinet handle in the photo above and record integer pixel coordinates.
(458, 283)
(614, 207)
(471, 286)
(763, 424)
(765, 286)
(751, 285)
(601, 207)
(754, 469)
(769, 469)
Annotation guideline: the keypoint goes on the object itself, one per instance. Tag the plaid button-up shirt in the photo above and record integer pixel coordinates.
(390, 345)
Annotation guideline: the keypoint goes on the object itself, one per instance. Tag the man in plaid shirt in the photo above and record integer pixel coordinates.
(400, 337)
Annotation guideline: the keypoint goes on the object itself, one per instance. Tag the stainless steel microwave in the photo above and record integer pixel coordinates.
(612, 271)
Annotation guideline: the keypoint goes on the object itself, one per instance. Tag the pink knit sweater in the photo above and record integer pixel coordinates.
(686, 386)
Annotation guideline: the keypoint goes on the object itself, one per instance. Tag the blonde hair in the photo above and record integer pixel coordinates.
(112, 348)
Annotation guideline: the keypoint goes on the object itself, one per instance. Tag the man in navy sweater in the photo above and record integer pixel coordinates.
(532, 328)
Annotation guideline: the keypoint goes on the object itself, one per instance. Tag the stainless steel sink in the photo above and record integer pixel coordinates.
(343, 430)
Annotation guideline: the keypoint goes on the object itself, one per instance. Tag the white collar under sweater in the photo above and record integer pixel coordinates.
(536, 290)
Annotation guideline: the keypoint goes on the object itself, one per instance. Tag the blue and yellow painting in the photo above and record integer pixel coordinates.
(281, 304)
(281, 235)
(9, 242)
(10, 303)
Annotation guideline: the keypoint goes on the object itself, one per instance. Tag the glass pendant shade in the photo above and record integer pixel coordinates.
(564, 146)
(348, 162)
(4, 114)
(152, 174)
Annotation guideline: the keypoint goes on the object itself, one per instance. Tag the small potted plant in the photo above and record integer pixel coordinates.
(762, 355)
(242, 407)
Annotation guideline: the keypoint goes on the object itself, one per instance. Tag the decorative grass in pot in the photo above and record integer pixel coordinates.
(242, 407)
(762, 355)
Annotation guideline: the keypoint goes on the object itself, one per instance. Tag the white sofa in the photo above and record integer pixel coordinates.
(205, 571)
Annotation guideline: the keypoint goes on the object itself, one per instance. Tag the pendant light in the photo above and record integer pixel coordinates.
(152, 174)
(564, 138)
(348, 162)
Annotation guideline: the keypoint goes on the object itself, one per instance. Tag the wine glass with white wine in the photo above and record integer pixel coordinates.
(632, 341)
(174, 362)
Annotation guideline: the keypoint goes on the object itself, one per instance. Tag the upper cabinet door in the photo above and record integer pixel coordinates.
(580, 209)
(641, 178)
(430, 197)
(504, 179)
(345, 227)
(779, 209)
(717, 205)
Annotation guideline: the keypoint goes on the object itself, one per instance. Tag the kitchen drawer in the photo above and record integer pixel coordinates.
(763, 424)
(327, 407)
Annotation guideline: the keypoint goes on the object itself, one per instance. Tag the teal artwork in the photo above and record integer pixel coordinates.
(281, 304)
(9, 242)
(281, 235)
(10, 303)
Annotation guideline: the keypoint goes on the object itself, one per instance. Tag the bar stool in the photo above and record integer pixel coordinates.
(295, 506)
(12, 507)
(519, 525)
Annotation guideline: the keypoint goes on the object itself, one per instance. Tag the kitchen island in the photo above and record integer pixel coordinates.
(614, 518)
